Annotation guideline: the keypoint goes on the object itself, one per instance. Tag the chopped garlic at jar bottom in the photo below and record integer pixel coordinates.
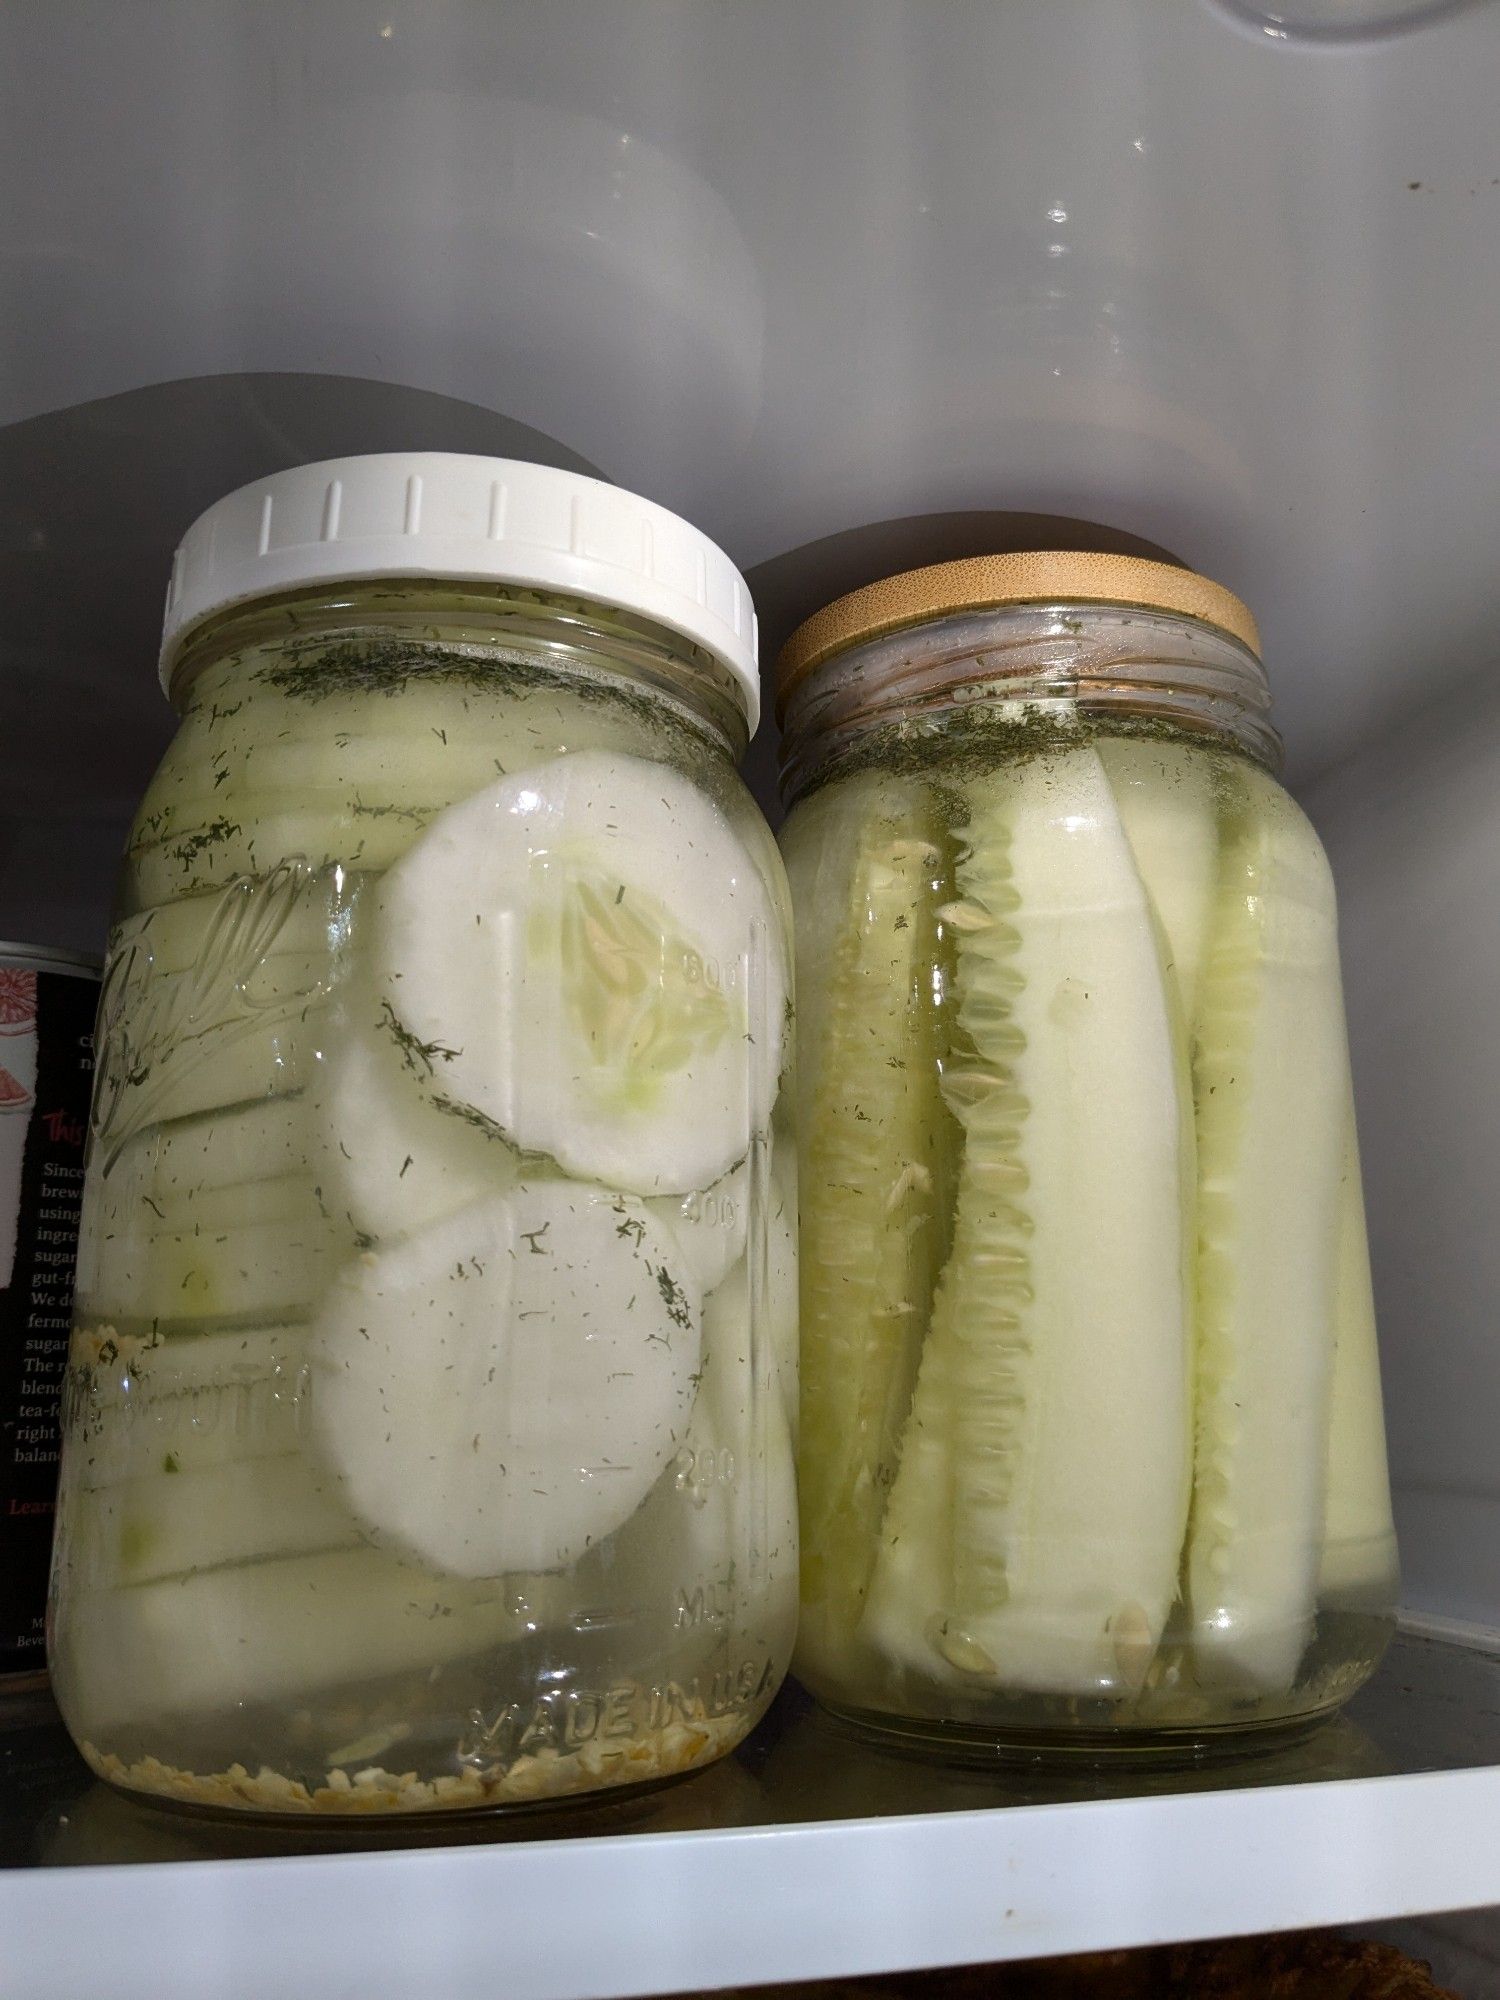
(544, 1774)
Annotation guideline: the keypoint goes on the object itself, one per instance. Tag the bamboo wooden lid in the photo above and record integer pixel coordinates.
(1049, 577)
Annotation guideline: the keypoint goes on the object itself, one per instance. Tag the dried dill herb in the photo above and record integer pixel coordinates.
(213, 835)
(420, 1057)
(674, 1298)
(973, 741)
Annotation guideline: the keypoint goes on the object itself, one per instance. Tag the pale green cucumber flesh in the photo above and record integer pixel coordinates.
(870, 1176)
(590, 960)
(272, 1630)
(1165, 794)
(210, 1277)
(1033, 1534)
(170, 1522)
(1269, 1083)
(501, 1390)
(393, 1154)
(178, 1403)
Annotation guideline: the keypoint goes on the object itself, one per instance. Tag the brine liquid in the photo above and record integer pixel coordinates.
(1091, 1441)
(330, 1304)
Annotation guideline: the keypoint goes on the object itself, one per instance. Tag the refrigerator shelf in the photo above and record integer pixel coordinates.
(810, 1854)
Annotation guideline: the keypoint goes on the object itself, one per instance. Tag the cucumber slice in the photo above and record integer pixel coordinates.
(777, 1283)
(1359, 1560)
(392, 1158)
(208, 1172)
(210, 1277)
(501, 1391)
(821, 844)
(252, 1144)
(190, 1403)
(711, 1228)
(210, 847)
(226, 1064)
(586, 957)
(1034, 1529)
(209, 1211)
(711, 1554)
(1165, 796)
(875, 1140)
(743, 1446)
(216, 1001)
(371, 777)
(270, 1630)
(293, 920)
(1269, 1075)
(439, 735)
(172, 1522)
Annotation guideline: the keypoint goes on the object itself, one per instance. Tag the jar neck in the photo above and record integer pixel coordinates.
(1085, 667)
(405, 627)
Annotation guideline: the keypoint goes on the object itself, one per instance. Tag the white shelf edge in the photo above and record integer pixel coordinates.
(664, 1913)
(1452, 1631)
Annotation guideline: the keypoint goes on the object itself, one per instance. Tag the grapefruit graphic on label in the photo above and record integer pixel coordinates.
(13, 1094)
(17, 999)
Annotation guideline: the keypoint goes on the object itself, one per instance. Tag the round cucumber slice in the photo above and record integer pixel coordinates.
(501, 1391)
(392, 1158)
(206, 1277)
(710, 1227)
(170, 1523)
(586, 956)
(276, 1630)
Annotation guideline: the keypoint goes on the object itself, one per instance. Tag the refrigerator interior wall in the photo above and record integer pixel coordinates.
(1413, 830)
(849, 284)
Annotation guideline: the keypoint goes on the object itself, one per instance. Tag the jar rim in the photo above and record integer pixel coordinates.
(568, 630)
(1090, 662)
(1049, 576)
(454, 517)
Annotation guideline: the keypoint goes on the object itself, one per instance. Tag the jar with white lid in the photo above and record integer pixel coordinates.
(428, 1432)
(1091, 1441)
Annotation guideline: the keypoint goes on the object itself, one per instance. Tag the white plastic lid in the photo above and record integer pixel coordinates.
(471, 520)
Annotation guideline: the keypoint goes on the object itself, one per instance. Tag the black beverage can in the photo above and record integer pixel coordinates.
(47, 1005)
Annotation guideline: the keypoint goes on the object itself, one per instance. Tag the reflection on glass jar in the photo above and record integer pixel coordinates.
(429, 1438)
(1091, 1443)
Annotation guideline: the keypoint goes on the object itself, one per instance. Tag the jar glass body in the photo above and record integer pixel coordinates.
(427, 1441)
(1091, 1442)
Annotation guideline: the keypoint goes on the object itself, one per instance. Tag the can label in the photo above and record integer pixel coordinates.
(46, 1067)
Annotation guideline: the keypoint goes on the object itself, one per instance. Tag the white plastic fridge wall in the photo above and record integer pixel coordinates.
(1215, 273)
(1413, 829)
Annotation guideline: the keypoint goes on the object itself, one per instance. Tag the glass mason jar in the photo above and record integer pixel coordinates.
(428, 1439)
(1091, 1439)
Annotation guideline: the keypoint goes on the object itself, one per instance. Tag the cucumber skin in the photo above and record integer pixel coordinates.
(1172, 799)
(967, 1592)
(1165, 794)
(871, 1176)
(1269, 1069)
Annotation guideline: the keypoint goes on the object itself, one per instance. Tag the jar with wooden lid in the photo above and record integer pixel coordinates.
(1092, 1449)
